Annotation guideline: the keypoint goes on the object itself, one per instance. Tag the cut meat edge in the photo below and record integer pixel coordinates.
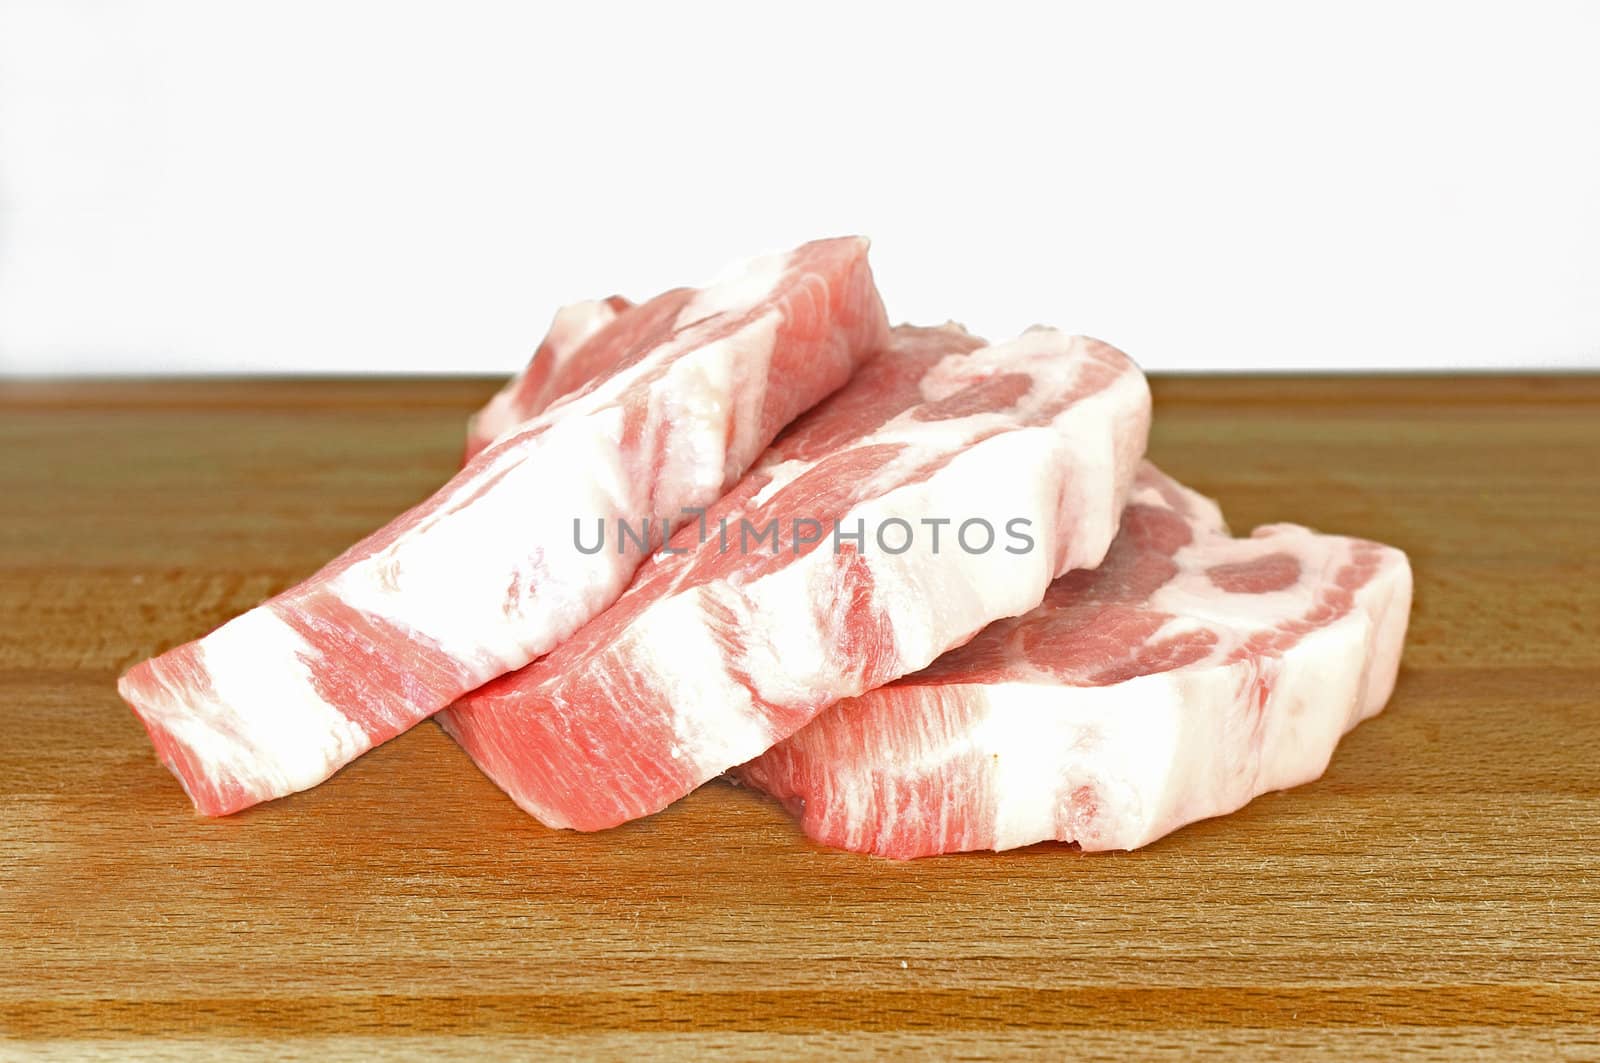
(925, 766)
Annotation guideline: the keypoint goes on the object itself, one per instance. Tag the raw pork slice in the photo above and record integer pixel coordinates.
(485, 576)
(1189, 673)
(719, 650)
(552, 372)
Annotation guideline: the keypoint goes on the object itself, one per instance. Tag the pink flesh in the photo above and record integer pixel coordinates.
(712, 655)
(484, 577)
(1186, 675)
(562, 364)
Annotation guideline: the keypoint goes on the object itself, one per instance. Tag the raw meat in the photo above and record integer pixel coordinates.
(1186, 675)
(485, 576)
(552, 372)
(715, 653)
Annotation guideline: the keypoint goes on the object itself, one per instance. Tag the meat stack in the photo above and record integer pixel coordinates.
(946, 609)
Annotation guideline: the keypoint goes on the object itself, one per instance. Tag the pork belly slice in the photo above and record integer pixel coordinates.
(554, 370)
(673, 401)
(718, 651)
(1188, 674)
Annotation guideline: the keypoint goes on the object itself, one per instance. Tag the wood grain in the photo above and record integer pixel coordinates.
(1436, 895)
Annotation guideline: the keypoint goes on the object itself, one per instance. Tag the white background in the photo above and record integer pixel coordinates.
(393, 188)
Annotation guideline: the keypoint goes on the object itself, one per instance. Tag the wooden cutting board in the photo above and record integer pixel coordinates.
(1437, 893)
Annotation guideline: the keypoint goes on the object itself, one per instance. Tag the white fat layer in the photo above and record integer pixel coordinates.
(750, 370)
(450, 580)
(1044, 744)
(1103, 433)
(262, 724)
(1387, 598)
(935, 600)
(571, 328)
(1192, 594)
(1203, 515)
(736, 288)
(715, 725)
(573, 325)
(1106, 430)
(1159, 751)
(500, 580)
(1164, 750)
(1106, 433)
(929, 600)
(1049, 356)
(780, 475)
(742, 290)
(1314, 698)
(710, 409)
(498, 415)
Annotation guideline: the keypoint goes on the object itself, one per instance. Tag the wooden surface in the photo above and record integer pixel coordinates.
(1437, 894)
